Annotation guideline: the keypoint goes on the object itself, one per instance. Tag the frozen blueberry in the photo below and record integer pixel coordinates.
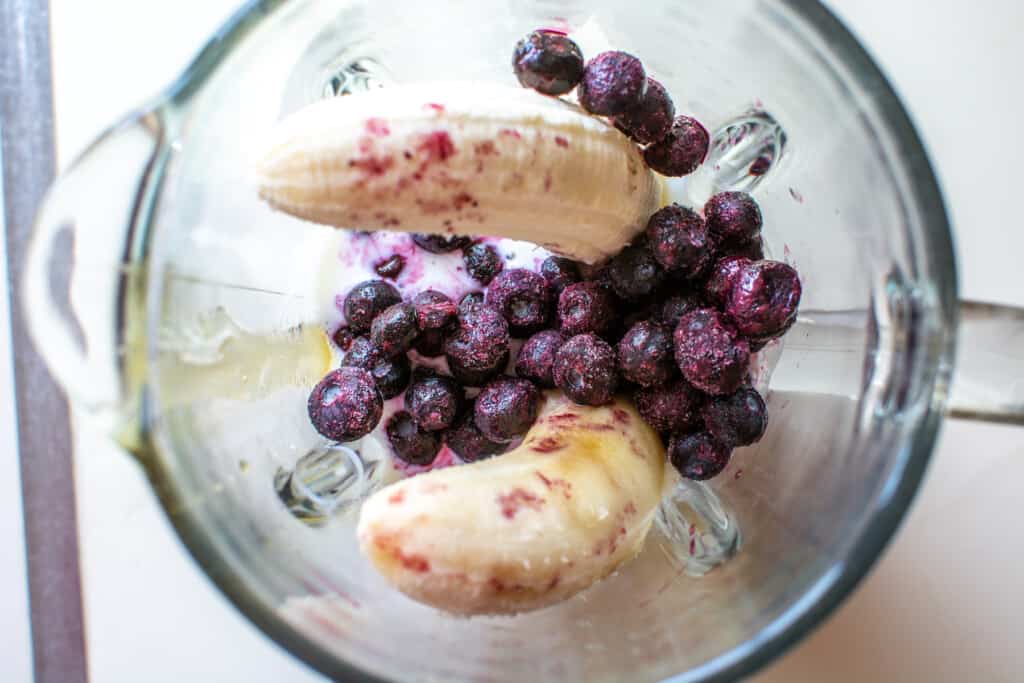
(345, 405)
(586, 307)
(469, 299)
(523, 297)
(411, 443)
(439, 244)
(585, 370)
(679, 240)
(710, 356)
(435, 317)
(603, 278)
(394, 330)
(723, 276)
(537, 358)
(390, 374)
(366, 301)
(698, 456)
(637, 311)
(681, 151)
(652, 119)
(468, 442)
(483, 262)
(670, 408)
(634, 273)
(390, 267)
(343, 337)
(674, 308)
(753, 250)
(733, 218)
(430, 343)
(548, 62)
(478, 348)
(434, 310)
(758, 344)
(764, 298)
(560, 273)
(433, 400)
(362, 354)
(506, 408)
(738, 419)
(646, 356)
(591, 272)
(613, 83)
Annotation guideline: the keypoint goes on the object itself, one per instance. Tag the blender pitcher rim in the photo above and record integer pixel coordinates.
(828, 592)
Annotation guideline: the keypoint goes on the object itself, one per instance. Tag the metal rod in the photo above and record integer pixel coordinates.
(44, 441)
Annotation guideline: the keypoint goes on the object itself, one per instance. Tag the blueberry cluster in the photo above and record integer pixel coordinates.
(474, 338)
(719, 301)
(614, 84)
(672, 320)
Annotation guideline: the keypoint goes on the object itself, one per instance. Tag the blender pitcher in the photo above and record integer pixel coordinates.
(188, 319)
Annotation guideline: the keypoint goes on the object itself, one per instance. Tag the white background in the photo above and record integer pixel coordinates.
(943, 604)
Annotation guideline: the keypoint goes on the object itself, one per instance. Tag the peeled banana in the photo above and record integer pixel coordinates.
(526, 529)
(462, 158)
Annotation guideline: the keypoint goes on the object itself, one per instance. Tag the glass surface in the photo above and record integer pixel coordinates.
(218, 339)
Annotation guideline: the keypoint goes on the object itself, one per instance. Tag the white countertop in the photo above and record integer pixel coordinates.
(942, 604)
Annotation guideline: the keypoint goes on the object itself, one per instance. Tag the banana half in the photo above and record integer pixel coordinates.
(462, 158)
(526, 529)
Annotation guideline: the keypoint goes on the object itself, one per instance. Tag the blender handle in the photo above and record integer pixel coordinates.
(989, 376)
(83, 268)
